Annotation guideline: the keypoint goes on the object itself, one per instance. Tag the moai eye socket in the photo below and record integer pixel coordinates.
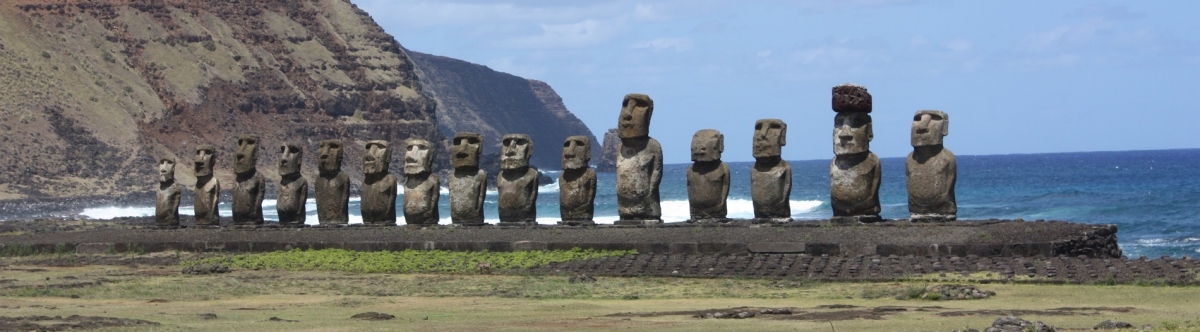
(776, 126)
(934, 116)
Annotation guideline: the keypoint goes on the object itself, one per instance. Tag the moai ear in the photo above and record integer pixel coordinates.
(870, 132)
(782, 134)
(720, 143)
(945, 124)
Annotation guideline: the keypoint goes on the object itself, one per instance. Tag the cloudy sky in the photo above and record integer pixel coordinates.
(1015, 76)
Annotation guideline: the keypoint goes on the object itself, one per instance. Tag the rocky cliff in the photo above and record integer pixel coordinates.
(476, 98)
(92, 92)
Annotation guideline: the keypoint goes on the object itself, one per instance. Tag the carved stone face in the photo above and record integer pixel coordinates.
(577, 152)
(516, 151)
(206, 156)
(770, 135)
(377, 157)
(852, 133)
(929, 127)
(166, 169)
(466, 149)
(418, 156)
(707, 145)
(290, 157)
(636, 110)
(246, 156)
(329, 156)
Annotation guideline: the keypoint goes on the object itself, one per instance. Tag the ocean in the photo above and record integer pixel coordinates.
(1152, 196)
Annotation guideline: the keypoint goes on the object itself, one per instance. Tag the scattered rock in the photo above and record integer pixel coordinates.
(277, 319)
(73, 322)
(206, 269)
(1111, 325)
(1016, 324)
(775, 311)
(581, 278)
(954, 292)
(158, 301)
(373, 316)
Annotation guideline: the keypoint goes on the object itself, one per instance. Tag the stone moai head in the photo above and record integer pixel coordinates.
(418, 156)
(466, 149)
(852, 132)
(516, 151)
(929, 127)
(770, 135)
(290, 158)
(246, 156)
(206, 156)
(707, 145)
(636, 110)
(377, 157)
(166, 169)
(329, 156)
(577, 152)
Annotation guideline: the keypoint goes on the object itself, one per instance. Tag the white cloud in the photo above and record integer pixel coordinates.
(572, 35)
(662, 44)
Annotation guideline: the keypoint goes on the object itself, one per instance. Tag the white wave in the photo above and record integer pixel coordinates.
(737, 208)
(110, 212)
(1168, 242)
(550, 188)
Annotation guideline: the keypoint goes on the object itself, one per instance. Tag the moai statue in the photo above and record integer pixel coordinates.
(639, 164)
(771, 177)
(577, 183)
(854, 172)
(250, 187)
(708, 177)
(166, 202)
(208, 188)
(468, 183)
(293, 188)
(517, 183)
(379, 187)
(333, 185)
(421, 184)
(931, 170)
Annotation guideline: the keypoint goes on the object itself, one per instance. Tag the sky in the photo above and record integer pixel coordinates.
(1014, 76)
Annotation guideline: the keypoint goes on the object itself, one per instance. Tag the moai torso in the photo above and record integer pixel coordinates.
(577, 183)
(250, 187)
(421, 185)
(166, 203)
(854, 173)
(379, 187)
(333, 185)
(708, 177)
(517, 182)
(293, 188)
(208, 188)
(771, 176)
(468, 183)
(639, 164)
(931, 170)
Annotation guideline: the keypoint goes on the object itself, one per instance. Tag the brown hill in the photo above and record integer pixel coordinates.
(92, 92)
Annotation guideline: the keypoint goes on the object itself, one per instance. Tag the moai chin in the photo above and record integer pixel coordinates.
(208, 188)
(855, 171)
(468, 183)
(421, 184)
(517, 183)
(771, 177)
(931, 170)
(577, 183)
(166, 202)
(379, 187)
(333, 185)
(708, 177)
(250, 187)
(639, 164)
(293, 188)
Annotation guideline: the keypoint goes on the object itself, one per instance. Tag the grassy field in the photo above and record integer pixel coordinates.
(247, 299)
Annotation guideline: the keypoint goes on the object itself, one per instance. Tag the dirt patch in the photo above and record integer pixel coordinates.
(373, 316)
(832, 314)
(74, 322)
(1065, 311)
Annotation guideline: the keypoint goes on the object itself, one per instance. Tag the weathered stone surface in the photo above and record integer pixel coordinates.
(166, 202)
(639, 164)
(421, 185)
(931, 170)
(250, 187)
(771, 177)
(851, 98)
(208, 189)
(293, 188)
(577, 182)
(708, 177)
(517, 183)
(468, 183)
(379, 186)
(855, 171)
(776, 247)
(333, 185)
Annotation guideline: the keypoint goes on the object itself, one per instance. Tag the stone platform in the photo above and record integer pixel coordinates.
(990, 238)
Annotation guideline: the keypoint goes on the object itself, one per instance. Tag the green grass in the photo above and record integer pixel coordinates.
(408, 261)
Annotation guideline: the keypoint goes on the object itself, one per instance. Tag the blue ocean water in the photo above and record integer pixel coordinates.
(1152, 196)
